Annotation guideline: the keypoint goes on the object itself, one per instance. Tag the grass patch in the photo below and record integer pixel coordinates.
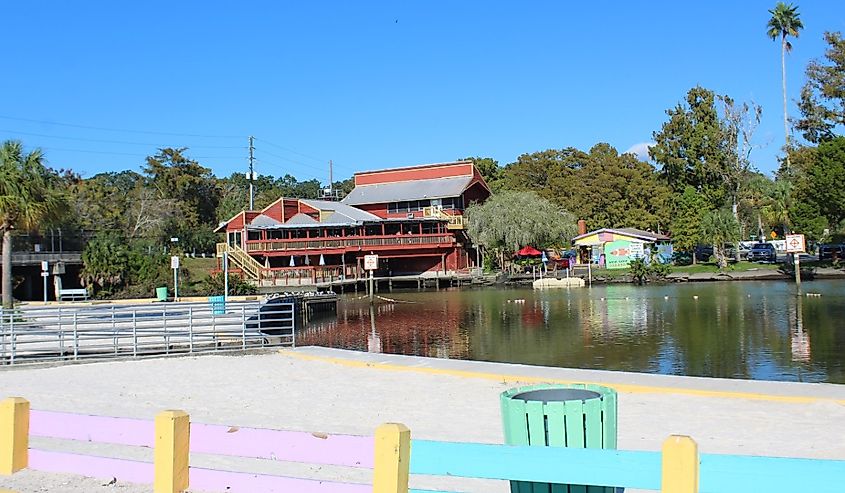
(711, 267)
(200, 268)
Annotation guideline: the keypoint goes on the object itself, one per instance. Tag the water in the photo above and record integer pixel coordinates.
(754, 330)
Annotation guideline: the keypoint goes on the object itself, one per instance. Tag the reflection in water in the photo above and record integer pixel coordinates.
(751, 330)
(800, 339)
(373, 339)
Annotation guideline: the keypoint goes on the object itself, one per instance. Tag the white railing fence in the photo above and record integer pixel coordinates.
(77, 332)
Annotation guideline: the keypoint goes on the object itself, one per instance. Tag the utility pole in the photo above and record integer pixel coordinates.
(331, 179)
(251, 172)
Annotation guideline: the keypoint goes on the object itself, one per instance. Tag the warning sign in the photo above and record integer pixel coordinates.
(795, 244)
(370, 262)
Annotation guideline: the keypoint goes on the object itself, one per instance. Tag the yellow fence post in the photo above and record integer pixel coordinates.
(170, 457)
(680, 465)
(392, 458)
(14, 435)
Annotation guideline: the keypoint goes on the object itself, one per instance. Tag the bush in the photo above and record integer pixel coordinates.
(643, 271)
(213, 285)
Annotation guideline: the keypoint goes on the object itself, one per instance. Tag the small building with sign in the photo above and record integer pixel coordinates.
(614, 248)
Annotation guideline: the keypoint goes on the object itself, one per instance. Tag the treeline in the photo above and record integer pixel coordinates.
(701, 185)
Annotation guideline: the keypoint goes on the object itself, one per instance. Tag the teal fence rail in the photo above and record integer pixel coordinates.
(619, 468)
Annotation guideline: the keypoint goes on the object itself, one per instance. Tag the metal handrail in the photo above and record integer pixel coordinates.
(40, 334)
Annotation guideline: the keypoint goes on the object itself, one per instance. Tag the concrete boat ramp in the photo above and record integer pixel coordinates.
(335, 391)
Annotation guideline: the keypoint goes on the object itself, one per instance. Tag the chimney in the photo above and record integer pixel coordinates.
(582, 227)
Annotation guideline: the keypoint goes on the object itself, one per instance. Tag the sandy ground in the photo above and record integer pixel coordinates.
(333, 391)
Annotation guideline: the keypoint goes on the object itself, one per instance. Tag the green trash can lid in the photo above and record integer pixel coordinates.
(557, 395)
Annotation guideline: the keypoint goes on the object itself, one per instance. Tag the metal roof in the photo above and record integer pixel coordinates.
(352, 213)
(263, 220)
(434, 188)
(299, 219)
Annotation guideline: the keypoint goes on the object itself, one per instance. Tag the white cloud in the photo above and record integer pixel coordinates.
(640, 150)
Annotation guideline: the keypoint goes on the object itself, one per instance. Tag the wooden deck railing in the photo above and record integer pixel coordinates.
(257, 246)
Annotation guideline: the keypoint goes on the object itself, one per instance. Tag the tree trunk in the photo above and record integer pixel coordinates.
(735, 210)
(783, 80)
(7, 268)
(693, 258)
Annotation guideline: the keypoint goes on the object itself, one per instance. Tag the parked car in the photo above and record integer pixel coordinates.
(831, 251)
(703, 252)
(762, 252)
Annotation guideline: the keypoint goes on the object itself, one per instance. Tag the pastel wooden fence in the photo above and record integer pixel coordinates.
(678, 468)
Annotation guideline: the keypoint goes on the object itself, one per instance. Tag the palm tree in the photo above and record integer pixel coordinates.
(785, 22)
(28, 197)
(720, 227)
(778, 203)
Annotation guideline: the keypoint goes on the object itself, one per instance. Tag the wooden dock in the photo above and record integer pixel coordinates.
(388, 283)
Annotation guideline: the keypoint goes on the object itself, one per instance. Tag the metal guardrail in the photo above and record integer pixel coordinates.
(79, 332)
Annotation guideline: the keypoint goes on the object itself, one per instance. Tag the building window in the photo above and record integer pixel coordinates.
(253, 235)
(429, 228)
(407, 206)
(453, 203)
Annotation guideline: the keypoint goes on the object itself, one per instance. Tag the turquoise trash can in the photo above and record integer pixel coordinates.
(577, 415)
(161, 294)
(218, 305)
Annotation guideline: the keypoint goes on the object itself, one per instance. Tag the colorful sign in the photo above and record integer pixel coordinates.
(617, 254)
(795, 244)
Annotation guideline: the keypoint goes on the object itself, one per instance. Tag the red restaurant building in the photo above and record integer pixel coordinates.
(411, 217)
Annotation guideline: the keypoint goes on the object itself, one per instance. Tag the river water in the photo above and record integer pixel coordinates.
(753, 330)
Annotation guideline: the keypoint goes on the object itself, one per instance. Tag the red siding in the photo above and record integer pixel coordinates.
(306, 209)
(379, 210)
(275, 210)
(475, 193)
(237, 223)
(291, 208)
(415, 173)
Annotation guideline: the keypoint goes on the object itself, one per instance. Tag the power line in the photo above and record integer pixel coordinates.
(80, 139)
(300, 163)
(293, 151)
(148, 132)
(130, 154)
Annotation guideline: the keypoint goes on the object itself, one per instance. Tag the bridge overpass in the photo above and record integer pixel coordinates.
(26, 269)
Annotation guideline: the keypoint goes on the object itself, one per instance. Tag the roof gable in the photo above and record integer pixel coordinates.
(632, 232)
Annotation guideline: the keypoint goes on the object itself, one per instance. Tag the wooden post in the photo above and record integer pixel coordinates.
(392, 458)
(170, 458)
(14, 435)
(680, 465)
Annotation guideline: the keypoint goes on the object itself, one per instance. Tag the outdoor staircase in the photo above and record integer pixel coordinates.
(251, 268)
(454, 221)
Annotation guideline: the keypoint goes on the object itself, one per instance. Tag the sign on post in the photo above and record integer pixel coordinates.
(45, 266)
(795, 244)
(370, 262)
(174, 264)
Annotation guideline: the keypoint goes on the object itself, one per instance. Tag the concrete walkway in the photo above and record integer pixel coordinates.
(336, 391)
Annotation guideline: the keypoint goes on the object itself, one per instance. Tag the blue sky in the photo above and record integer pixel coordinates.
(378, 84)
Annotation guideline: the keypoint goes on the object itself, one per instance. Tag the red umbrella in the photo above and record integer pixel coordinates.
(529, 251)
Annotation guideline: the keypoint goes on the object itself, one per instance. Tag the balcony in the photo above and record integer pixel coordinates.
(454, 221)
(350, 243)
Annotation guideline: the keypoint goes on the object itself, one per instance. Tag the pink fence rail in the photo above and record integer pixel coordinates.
(257, 443)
